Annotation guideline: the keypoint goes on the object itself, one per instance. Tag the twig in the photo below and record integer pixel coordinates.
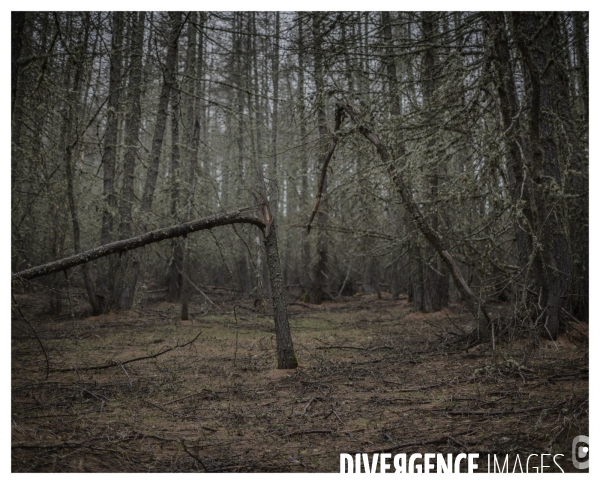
(302, 432)
(193, 456)
(307, 405)
(439, 440)
(354, 348)
(116, 363)
(183, 398)
(35, 334)
(338, 417)
(157, 406)
(502, 412)
(200, 291)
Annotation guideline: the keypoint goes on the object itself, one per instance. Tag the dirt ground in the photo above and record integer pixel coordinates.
(373, 378)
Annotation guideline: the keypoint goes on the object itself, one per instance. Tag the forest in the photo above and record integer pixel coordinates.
(254, 241)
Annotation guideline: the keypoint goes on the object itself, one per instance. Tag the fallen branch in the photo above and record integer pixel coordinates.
(117, 363)
(200, 291)
(193, 456)
(302, 432)
(354, 348)
(36, 336)
(500, 412)
(122, 246)
(422, 443)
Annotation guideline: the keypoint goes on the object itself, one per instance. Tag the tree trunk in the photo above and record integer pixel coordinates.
(175, 268)
(509, 109)
(105, 283)
(161, 117)
(193, 111)
(435, 280)
(70, 145)
(552, 265)
(319, 270)
(125, 280)
(304, 266)
(16, 31)
(286, 358)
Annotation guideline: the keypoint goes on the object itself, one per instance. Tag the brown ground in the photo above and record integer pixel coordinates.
(372, 376)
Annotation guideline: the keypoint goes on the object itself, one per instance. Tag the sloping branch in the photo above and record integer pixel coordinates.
(474, 303)
(325, 164)
(181, 230)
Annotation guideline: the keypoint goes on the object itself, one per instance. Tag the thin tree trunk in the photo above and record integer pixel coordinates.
(582, 62)
(286, 358)
(319, 270)
(70, 146)
(125, 280)
(193, 110)
(16, 30)
(161, 117)
(305, 250)
(435, 283)
(105, 283)
(174, 291)
(158, 137)
(275, 117)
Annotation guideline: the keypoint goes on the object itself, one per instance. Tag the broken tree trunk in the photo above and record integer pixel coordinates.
(286, 358)
(181, 230)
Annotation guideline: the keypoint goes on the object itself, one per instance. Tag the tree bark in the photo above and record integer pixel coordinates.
(16, 31)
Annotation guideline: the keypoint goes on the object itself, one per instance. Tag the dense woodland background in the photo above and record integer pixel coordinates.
(124, 122)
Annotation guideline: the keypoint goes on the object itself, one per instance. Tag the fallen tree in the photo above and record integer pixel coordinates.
(286, 358)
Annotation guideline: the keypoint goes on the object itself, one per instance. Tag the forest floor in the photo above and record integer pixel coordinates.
(373, 377)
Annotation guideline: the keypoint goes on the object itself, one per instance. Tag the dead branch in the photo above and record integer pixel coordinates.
(501, 412)
(302, 432)
(117, 363)
(36, 336)
(475, 305)
(325, 164)
(421, 443)
(121, 246)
